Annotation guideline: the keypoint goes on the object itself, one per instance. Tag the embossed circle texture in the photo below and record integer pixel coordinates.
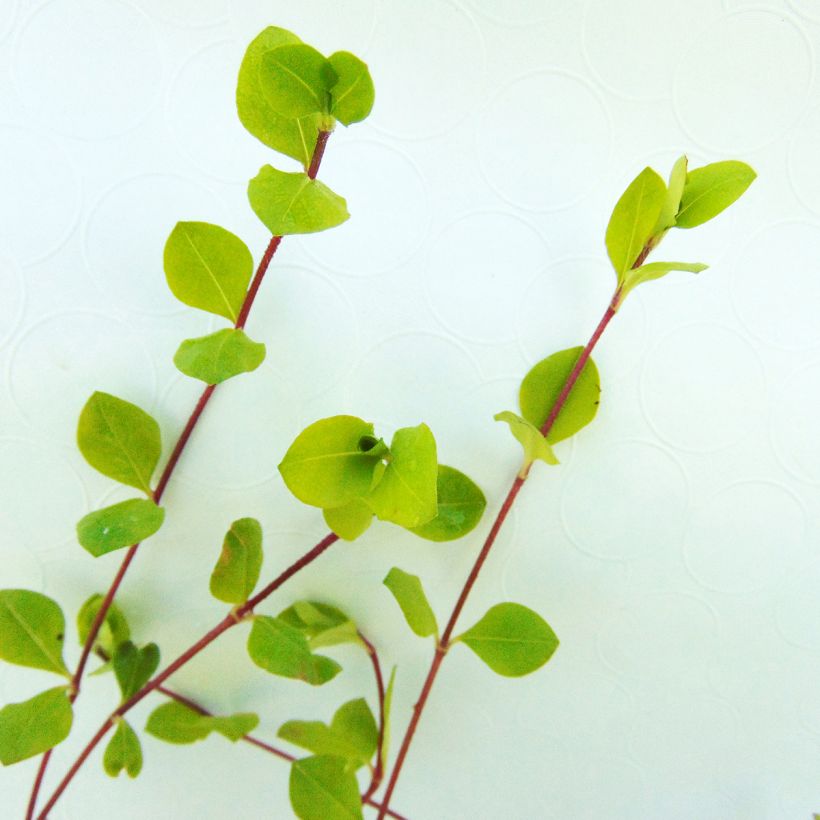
(793, 425)
(797, 615)
(187, 13)
(804, 170)
(11, 306)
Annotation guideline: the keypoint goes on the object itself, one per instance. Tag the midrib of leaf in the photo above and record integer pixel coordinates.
(468, 638)
(245, 562)
(299, 80)
(57, 661)
(212, 275)
(303, 184)
(714, 187)
(145, 485)
(352, 86)
(401, 478)
(630, 256)
(330, 794)
(344, 454)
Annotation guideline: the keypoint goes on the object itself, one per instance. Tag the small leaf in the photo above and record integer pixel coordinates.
(34, 726)
(119, 440)
(353, 95)
(208, 268)
(220, 356)
(633, 220)
(350, 521)
(406, 494)
(388, 705)
(237, 570)
(512, 640)
(409, 594)
(326, 466)
(114, 629)
(32, 630)
(123, 752)
(711, 189)
(542, 386)
(321, 624)
(296, 80)
(280, 649)
(175, 722)
(671, 203)
(321, 788)
(119, 525)
(655, 270)
(460, 507)
(529, 437)
(134, 666)
(294, 203)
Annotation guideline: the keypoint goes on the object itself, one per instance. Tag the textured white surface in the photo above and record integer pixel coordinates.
(675, 551)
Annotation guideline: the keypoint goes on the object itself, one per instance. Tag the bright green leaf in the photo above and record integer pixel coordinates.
(542, 386)
(32, 630)
(326, 465)
(388, 705)
(119, 440)
(134, 666)
(321, 624)
(460, 507)
(353, 95)
(536, 447)
(512, 640)
(350, 521)
(409, 594)
(119, 525)
(123, 752)
(407, 492)
(674, 192)
(208, 268)
(219, 356)
(711, 189)
(34, 726)
(175, 722)
(294, 203)
(237, 570)
(113, 631)
(296, 80)
(655, 270)
(282, 650)
(322, 788)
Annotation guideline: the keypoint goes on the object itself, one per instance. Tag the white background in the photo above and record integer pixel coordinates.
(674, 551)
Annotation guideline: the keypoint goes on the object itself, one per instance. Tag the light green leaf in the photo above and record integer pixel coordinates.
(208, 268)
(134, 666)
(529, 437)
(119, 525)
(119, 440)
(633, 220)
(123, 752)
(294, 203)
(293, 137)
(321, 624)
(406, 494)
(388, 705)
(32, 630)
(710, 190)
(114, 629)
(34, 726)
(409, 594)
(280, 649)
(542, 386)
(322, 788)
(512, 640)
(352, 734)
(671, 203)
(219, 356)
(175, 722)
(237, 569)
(655, 270)
(353, 95)
(350, 521)
(460, 507)
(326, 465)
(296, 80)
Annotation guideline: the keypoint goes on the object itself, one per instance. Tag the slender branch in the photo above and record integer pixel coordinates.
(378, 769)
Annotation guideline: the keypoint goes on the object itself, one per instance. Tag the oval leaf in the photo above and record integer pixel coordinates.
(353, 94)
(322, 788)
(654, 270)
(321, 624)
(529, 437)
(134, 666)
(671, 202)
(219, 356)
(237, 570)
(119, 525)
(296, 80)
(123, 752)
(350, 521)
(409, 594)
(114, 629)
(460, 507)
(175, 722)
(710, 190)
(34, 726)
(32, 630)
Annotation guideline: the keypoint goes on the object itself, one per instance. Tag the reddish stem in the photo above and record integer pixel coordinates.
(378, 771)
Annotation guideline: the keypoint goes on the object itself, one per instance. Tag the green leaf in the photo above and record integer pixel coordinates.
(388, 705)
(134, 666)
(353, 95)
(321, 624)
(293, 137)
(32, 630)
(536, 447)
(633, 220)
(119, 525)
(34, 726)
(280, 649)
(114, 629)
(350, 521)
(352, 734)
(512, 640)
(406, 494)
(119, 440)
(219, 356)
(460, 507)
(671, 202)
(294, 203)
(237, 570)
(296, 80)
(542, 386)
(208, 268)
(326, 465)
(409, 594)
(655, 270)
(322, 788)
(711, 189)
(123, 752)
(175, 722)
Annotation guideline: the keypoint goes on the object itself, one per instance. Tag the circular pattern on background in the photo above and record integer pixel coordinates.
(101, 80)
(516, 12)
(644, 491)
(806, 8)
(7, 14)
(776, 285)
(746, 537)
(803, 168)
(793, 426)
(797, 615)
(683, 374)
(544, 141)
(188, 13)
(477, 267)
(723, 98)
(12, 287)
